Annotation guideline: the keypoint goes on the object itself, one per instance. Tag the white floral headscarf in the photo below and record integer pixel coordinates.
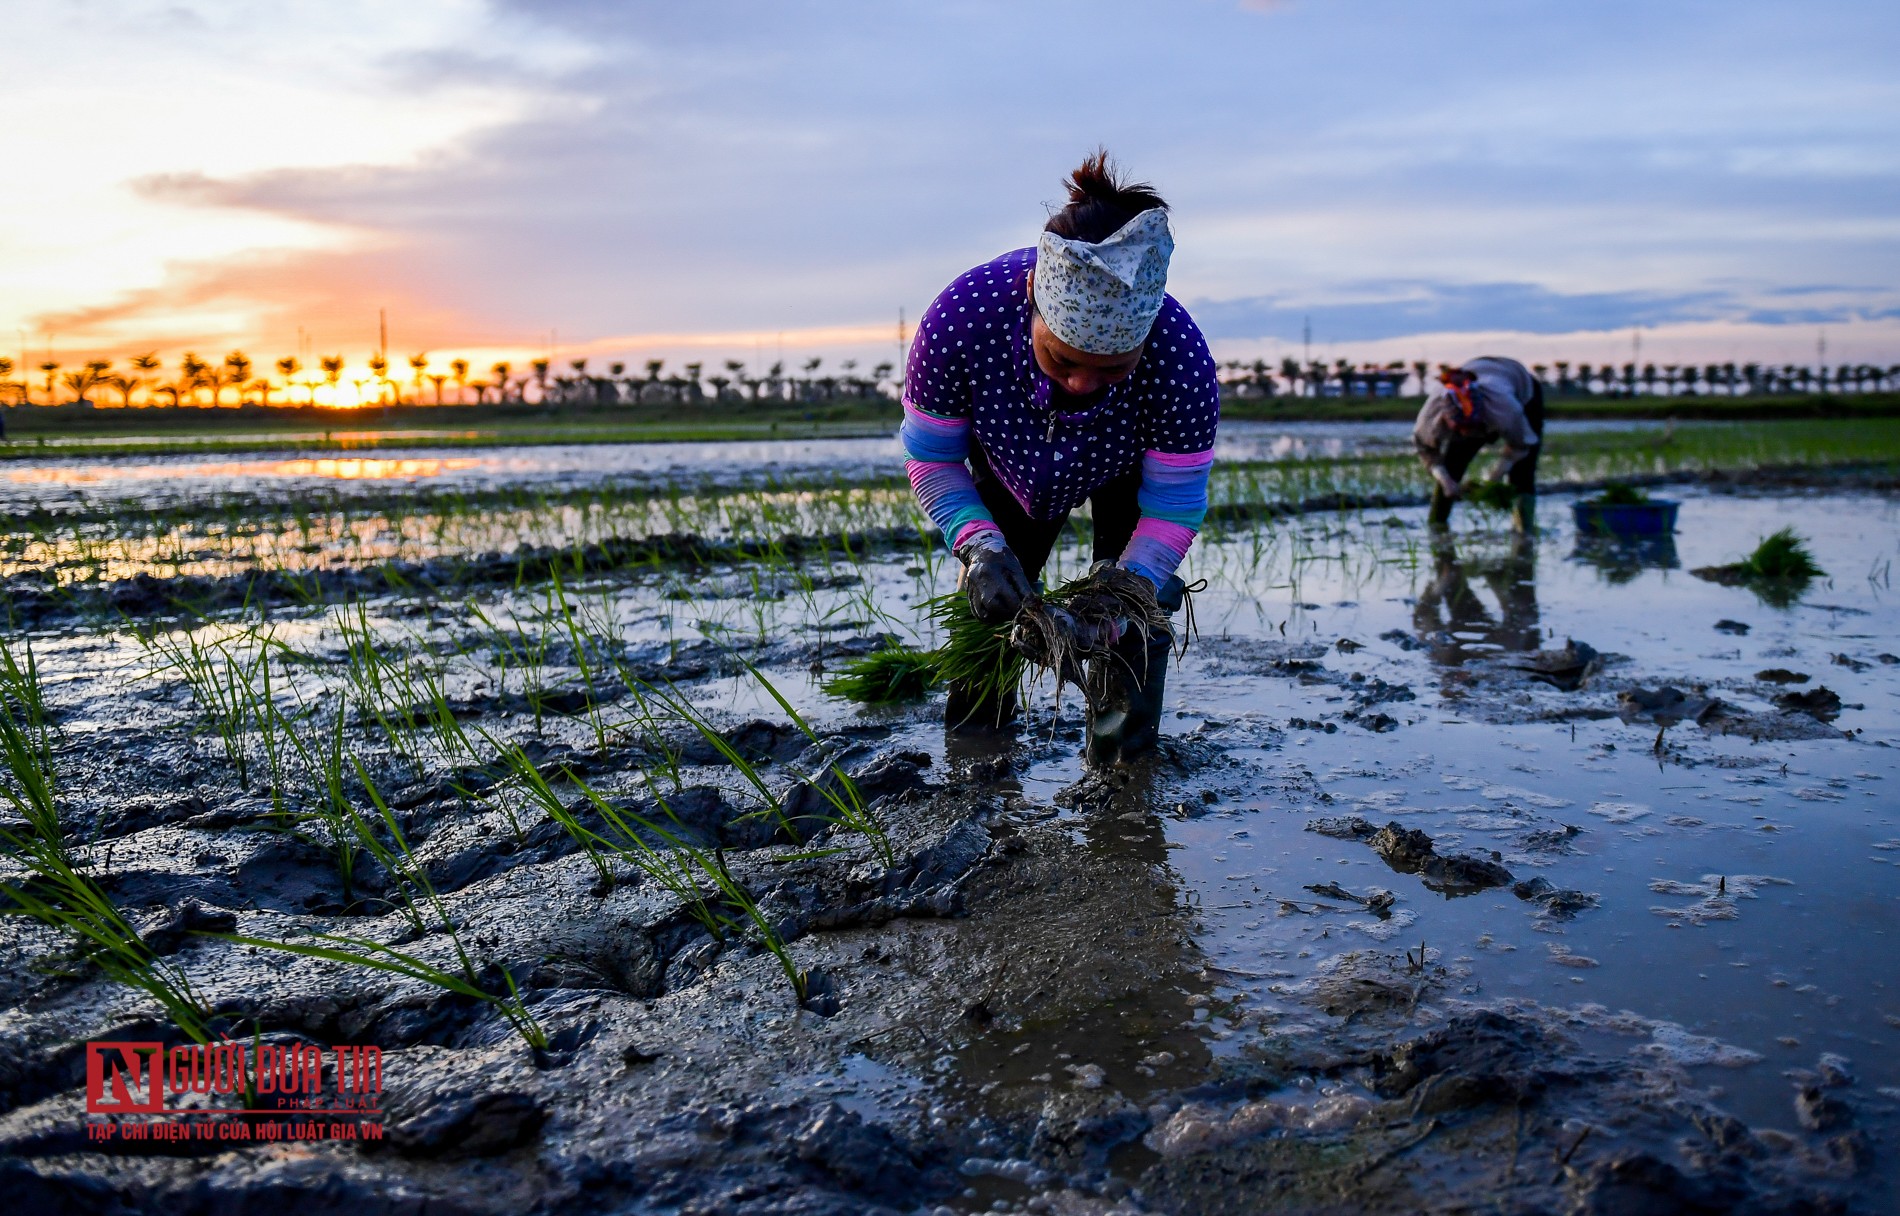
(1103, 298)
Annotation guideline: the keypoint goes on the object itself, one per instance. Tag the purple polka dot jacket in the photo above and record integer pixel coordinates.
(972, 377)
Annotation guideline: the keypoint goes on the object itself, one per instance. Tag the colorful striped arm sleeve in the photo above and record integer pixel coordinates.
(1173, 503)
(935, 450)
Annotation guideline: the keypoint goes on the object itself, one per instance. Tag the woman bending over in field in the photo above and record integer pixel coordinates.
(1059, 374)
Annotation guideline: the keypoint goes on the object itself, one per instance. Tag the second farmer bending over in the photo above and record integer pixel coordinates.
(1487, 400)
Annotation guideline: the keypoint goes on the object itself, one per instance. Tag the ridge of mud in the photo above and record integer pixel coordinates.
(32, 599)
(414, 500)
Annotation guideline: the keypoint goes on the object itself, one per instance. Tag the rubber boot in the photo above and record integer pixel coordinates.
(1440, 513)
(1130, 683)
(1524, 513)
(968, 712)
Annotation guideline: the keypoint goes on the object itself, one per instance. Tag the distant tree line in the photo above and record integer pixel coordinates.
(237, 381)
(1344, 378)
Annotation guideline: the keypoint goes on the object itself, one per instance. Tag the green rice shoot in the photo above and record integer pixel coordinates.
(1783, 556)
(975, 656)
(991, 663)
(888, 676)
(1620, 494)
(1490, 495)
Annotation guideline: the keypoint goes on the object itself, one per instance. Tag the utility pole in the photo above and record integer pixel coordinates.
(1306, 340)
(382, 334)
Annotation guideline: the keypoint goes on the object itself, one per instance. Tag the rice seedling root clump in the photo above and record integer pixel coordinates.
(1054, 632)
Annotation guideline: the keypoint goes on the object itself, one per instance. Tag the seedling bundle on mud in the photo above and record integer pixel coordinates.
(1053, 633)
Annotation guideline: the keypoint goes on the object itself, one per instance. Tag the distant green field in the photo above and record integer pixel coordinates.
(1733, 409)
(34, 431)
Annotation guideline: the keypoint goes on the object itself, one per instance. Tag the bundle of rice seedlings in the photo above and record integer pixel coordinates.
(1778, 571)
(1620, 494)
(884, 677)
(975, 656)
(1075, 620)
(1492, 495)
(1783, 555)
(1057, 631)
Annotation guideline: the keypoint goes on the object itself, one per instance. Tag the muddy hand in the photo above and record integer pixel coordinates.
(993, 579)
(1089, 638)
(1055, 635)
(1446, 481)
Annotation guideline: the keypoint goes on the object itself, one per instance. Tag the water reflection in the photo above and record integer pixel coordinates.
(1457, 622)
(326, 468)
(1101, 961)
(1619, 559)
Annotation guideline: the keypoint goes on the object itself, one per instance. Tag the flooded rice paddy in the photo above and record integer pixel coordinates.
(78, 482)
(79, 525)
(1529, 874)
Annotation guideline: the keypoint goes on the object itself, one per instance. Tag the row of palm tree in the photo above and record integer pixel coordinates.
(582, 385)
(237, 380)
(1344, 378)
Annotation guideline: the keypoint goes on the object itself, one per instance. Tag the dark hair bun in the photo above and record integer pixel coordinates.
(1100, 201)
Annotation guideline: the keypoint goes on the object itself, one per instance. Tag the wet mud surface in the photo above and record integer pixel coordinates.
(1487, 874)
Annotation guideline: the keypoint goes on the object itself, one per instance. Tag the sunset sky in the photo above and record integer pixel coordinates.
(725, 180)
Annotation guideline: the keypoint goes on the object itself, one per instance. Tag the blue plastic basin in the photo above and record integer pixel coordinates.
(1657, 517)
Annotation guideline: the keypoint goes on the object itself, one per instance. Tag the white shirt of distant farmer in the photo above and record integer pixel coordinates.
(1503, 388)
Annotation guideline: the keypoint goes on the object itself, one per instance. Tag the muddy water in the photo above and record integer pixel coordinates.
(1799, 964)
(1076, 987)
(80, 483)
(1741, 883)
